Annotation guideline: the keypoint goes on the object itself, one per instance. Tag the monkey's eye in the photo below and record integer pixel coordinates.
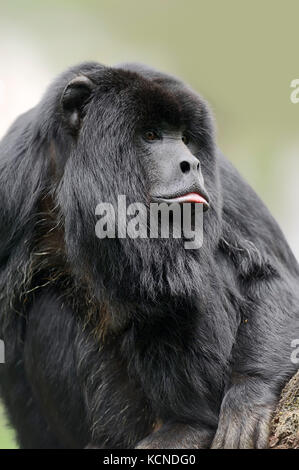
(185, 139)
(151, 135)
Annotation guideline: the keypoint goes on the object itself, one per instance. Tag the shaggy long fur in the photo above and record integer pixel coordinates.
(124, 343)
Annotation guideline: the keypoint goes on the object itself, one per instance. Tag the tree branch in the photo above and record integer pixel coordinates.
(285, 423)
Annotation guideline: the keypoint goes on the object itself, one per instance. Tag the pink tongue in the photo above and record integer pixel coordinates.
(191, 197)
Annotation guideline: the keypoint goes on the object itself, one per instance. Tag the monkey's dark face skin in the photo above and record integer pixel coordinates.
(124, 343)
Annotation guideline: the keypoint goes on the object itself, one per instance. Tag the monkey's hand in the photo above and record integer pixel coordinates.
(245, 416)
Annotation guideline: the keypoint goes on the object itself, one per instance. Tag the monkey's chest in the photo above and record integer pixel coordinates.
(120, 410)
(130, 398)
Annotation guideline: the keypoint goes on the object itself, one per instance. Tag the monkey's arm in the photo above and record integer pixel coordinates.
(262, 364)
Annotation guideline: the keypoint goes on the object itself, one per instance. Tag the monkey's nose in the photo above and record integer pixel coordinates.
(187, 166)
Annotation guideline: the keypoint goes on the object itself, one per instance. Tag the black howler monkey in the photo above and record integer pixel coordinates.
(124, 343)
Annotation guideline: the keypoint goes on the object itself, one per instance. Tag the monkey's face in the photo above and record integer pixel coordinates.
(173, 170)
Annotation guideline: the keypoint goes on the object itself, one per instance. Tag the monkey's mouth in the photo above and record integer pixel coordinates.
(194, 198)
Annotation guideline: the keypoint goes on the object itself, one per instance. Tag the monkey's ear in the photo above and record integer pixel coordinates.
(74, 97)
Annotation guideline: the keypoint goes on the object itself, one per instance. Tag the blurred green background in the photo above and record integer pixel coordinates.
(240, 55)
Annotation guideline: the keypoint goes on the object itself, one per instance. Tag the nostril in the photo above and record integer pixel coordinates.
(185, 167)
(198, 166)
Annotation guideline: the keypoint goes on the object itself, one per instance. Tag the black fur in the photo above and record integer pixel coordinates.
(110, 340)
